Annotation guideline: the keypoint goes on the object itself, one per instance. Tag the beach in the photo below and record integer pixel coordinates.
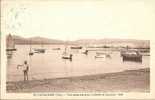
(126, 81)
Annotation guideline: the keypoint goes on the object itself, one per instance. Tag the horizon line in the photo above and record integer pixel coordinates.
(100, 38)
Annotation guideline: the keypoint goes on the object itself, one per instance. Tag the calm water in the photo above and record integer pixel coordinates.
(51, 65)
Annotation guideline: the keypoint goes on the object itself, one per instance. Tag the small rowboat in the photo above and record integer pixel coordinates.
(100, 56)
(40, 50)
(31, 53)
(76, 47)
(67, 57)
(56, 49)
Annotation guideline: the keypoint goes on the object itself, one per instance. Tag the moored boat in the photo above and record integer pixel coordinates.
(100, 56)
(132, 55)
(76, 47)
(100, 53)
(11, 49)
(85, 52)
(40, 50)
(31, 53)
(56, 49)
(67, 56)
(103, 53)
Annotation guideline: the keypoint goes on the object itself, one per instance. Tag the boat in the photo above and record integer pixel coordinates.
(40, 50)
(30, 52)
(100, 56)
(100, 53)
(103, 54)
(85, 52)
(66, 55)
(108, 55)
(36, 52)
(132, 55)
(76, 47)
(10, 44)
(56, 49)
(11, 49)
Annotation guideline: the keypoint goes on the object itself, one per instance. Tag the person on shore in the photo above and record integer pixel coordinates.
(25, 68)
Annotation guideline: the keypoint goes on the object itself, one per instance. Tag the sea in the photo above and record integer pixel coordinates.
(50, 65)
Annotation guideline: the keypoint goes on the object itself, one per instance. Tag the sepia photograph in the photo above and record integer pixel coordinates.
(39, 64)
(89, 46)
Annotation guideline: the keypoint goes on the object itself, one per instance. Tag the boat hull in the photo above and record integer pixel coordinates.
(56, 49)
(40, 50)
(31, 53)
(66, 58)
(11, 49)
(132, 58)
(100, 56)
(76, 47)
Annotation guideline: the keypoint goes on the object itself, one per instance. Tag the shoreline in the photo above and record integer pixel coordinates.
(125, 81)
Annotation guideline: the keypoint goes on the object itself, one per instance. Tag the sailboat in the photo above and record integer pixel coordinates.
(66, 55)
(41, 50)
(10, 45)
(85, 51)
(30, 53)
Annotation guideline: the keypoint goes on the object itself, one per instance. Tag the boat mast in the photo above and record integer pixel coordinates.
(42, 44)
(65, 52)
(13, 43)
(30, 46)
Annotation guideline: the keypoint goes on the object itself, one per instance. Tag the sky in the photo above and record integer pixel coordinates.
(72, 20)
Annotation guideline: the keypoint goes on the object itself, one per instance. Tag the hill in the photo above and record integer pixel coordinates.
(88, 42)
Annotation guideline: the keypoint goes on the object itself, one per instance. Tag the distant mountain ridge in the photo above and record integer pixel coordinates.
(42, 40)
(36, 40)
